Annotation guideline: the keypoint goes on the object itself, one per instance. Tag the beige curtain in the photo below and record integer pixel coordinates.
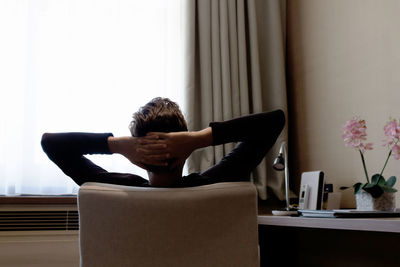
(234, 63)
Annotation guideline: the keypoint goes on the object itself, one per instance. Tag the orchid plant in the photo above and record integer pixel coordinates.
(355, 135)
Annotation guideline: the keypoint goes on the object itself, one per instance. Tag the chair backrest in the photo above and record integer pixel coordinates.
(211, 225)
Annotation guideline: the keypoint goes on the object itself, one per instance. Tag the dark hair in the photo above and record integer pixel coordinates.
(159, 115)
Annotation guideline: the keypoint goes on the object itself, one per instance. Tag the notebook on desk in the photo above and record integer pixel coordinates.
(348, 213)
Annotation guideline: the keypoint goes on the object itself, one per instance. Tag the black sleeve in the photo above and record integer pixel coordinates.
(75, 143)
(255, 127)
(66, 150)
(256, 135)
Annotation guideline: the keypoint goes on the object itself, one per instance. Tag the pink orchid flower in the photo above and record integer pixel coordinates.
(392, 132)
(354, 132)
(396, 151)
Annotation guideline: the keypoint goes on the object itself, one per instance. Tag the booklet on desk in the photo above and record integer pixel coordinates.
(349, 213)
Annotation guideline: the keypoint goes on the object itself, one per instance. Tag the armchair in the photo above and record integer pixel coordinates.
(211, 225)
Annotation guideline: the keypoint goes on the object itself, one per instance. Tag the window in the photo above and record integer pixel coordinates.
(83, 65)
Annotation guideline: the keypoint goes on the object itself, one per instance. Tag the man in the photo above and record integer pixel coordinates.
(160, 143)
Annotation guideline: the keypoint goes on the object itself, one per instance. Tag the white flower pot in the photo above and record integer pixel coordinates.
(386, 202)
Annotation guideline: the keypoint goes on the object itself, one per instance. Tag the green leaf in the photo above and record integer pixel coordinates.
(391, 181)
(389, 189)
(357, 187)
(367, 185)
(378, 179)
(375, 190)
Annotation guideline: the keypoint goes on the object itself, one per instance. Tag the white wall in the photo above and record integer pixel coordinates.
(344, 60)
(35, 248)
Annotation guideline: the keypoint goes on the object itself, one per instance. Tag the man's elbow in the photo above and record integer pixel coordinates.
(46, 142)
(281, 119)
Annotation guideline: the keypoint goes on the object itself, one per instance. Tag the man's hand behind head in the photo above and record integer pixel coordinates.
(179, 145)
(142, 154)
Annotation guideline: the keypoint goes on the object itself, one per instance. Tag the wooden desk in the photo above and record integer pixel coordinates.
(390, 225)
(328, 241)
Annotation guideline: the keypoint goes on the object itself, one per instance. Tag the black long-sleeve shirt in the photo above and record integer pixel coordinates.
(255, 133)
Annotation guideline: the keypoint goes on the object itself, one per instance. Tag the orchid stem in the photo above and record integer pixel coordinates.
(387, 159)
(365, 167)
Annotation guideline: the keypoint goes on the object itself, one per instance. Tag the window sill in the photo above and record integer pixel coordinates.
(62, 200)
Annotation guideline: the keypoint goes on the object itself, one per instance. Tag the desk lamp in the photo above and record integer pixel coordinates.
(280, 164)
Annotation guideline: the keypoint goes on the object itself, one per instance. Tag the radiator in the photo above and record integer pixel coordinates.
(39, 220)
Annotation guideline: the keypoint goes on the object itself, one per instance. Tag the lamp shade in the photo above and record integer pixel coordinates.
(279, 163)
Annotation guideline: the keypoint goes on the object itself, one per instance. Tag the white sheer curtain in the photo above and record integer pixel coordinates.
(83, 65)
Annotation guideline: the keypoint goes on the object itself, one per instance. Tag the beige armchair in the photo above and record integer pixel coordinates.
(211, 225)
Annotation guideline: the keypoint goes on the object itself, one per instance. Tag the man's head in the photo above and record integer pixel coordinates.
(159, 115)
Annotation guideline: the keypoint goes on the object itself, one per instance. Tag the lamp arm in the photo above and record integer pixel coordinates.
(285, 156)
